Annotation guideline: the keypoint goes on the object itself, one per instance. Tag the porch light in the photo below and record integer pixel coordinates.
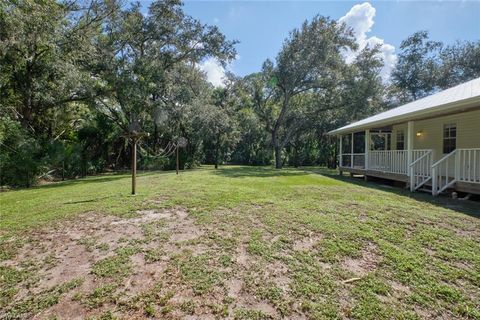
(419, 133)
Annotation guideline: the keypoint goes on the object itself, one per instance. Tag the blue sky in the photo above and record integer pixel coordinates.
(261, 26)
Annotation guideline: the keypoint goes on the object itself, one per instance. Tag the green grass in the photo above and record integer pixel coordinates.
(36, 303)
(117, 266)
(424, 251)
(200, 189)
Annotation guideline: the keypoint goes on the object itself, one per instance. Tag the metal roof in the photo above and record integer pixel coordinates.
(454, 99)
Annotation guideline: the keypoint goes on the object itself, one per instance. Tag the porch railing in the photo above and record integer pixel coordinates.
(460, 165)
(443, 173)
(468, 165)
(394, 161)
(420, 170)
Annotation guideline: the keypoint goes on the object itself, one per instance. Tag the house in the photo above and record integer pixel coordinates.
(430, 144)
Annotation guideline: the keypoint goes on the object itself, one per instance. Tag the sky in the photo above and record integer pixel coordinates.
(261, 26)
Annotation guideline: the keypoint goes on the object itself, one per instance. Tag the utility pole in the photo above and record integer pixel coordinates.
(134, 165)
(134, 137)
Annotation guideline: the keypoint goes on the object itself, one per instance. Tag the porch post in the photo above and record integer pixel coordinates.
(367, 147)
(351, 152)
(340, 152)
(409, 145)
(410, 154)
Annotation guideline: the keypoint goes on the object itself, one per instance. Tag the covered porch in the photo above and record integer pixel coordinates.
(375, 152)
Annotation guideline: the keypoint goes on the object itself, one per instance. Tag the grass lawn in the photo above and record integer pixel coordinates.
(238, 242)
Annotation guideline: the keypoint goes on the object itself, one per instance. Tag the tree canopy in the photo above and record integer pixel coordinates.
(77, 77)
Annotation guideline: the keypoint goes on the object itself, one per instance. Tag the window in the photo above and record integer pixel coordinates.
(449, 137)
(400, 140)
(381, 141)
(346, 143)
(359, 142)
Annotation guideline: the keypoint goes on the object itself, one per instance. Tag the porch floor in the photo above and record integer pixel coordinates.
(461, 186)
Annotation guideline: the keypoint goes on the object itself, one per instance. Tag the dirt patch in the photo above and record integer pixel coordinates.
(242, 255)
(69, 251)
(234, 286)
(65, 309)
(366, 263)
(399, 288)
(306, 243)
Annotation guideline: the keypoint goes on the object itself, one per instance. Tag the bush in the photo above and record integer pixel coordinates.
(20, 155)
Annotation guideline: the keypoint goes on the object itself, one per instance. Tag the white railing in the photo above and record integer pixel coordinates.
(420, 170)
(443, 173)
(416, 154)
(393, 161)
(468, 165)
(459, 165)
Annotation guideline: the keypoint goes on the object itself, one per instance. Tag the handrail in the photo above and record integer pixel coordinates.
(441, 182)
(445, 157)
(420, 170)
(418, 160)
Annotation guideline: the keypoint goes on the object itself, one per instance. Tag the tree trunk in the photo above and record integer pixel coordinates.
(216, 158)
(295, 154)
(278, 157)
(277, 150)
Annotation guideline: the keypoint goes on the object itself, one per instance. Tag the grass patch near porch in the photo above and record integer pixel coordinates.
(239, 242)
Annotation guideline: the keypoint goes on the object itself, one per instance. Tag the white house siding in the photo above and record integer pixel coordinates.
(468, 132)
(468, 135)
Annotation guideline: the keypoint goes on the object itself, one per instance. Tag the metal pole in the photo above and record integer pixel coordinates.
(177, 159)
(340, 151)
(410, 137)
(134, 165)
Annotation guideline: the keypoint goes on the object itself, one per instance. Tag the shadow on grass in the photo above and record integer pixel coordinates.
(257, 172)
(471, 208)
(87, 200)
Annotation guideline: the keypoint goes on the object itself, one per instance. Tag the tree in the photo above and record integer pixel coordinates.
(216, 122)
(42, 44)
(138, 52)
(415, 73)
(310, 61)
(363, 90)
(43, 47)
(460, 62)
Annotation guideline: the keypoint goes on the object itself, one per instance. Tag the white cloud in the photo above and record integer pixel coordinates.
(361, 19)
(214, 71)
